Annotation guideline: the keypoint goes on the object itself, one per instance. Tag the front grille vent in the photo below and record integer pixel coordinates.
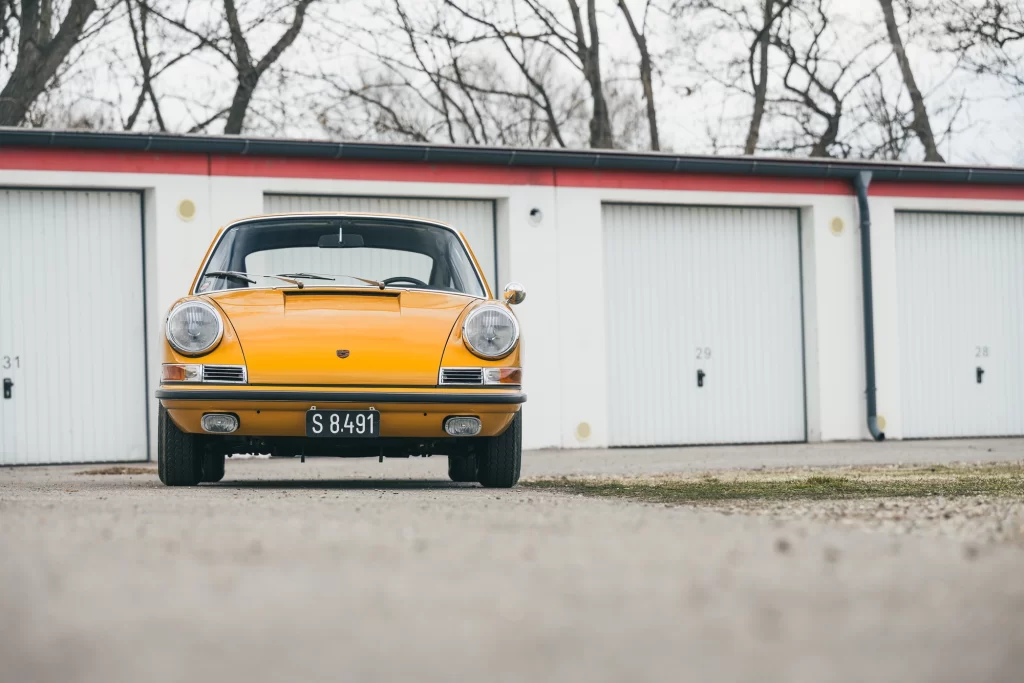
(462, 376)
(233, 374)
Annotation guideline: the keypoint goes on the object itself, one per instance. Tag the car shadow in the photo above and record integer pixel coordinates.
(343, 484)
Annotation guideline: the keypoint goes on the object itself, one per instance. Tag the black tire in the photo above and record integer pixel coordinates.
(499, 465)
(213, 467)
(179, 455)
(462, 468)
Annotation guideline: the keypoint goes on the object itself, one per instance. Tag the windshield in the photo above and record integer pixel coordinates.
(340, 252)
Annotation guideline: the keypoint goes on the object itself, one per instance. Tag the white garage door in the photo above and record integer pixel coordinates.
(72, 347)
(961, 310)
(704, 328)
(474, 217)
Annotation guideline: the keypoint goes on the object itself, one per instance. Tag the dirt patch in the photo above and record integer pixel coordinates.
(1001, 479)
(119, 469)
(981, 503)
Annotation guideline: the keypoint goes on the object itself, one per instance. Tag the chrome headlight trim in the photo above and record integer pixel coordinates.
(478, 311)
(178, 309)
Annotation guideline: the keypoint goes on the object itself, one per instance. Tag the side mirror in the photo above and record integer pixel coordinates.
(515, 293)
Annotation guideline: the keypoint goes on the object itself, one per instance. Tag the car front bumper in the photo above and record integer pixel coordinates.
(281, 411)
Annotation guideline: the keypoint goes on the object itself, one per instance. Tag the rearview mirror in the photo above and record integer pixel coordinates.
(515, 293)
(335, 242)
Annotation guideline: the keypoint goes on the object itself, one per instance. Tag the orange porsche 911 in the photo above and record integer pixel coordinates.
(341, 335)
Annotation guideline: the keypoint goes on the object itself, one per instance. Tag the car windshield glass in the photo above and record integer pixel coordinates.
(340, 252)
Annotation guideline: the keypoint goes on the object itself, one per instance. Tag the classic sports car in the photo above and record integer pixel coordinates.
(346, 335)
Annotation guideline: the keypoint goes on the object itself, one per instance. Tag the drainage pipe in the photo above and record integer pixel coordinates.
(860, 183)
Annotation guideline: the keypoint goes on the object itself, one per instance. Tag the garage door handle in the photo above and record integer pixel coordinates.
(980, 371)
(700, 378)
(8, 385)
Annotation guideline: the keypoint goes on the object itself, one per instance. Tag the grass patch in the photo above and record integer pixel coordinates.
(1004, 480)
(119, 469)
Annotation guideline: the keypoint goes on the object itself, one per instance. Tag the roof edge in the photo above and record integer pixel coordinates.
(506, 156)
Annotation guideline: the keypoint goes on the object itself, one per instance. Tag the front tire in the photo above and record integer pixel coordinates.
(213, 467)
(502, 458)
(462, 469)
(179, 455)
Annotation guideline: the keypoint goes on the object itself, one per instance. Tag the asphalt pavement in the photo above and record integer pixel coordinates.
(359, 571)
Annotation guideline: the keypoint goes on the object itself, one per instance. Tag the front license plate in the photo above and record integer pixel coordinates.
(342, 423)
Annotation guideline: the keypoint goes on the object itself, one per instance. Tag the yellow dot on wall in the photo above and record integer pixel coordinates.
(583, 431)
(881, 423)
(186, 209)
(837, 226)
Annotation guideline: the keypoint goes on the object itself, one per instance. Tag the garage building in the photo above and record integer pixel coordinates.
(672, 300)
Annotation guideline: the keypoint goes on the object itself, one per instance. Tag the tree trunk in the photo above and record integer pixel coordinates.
(249, 74)
(829, 137)
(240, 102)
(760, 45)
(39, 55)
(589, 54)
(646, 77)
(921, 124)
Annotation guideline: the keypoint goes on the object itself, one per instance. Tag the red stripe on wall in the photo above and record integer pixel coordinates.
(944, 191)
(109, 161)
(346, 169)
(652, 180)
(102, 161)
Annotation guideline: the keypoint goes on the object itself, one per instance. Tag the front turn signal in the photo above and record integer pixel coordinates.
(503, 375)
(179, 372)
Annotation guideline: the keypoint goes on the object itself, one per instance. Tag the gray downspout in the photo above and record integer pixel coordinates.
(861, 182)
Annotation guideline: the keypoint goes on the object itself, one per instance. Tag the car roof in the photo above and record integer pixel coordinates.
(342, 214)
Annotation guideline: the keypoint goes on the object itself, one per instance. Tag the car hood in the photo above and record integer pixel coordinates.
(337, 336)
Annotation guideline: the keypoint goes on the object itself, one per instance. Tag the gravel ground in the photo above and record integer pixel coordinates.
(639, 461)
(974, 520)
(318, 571)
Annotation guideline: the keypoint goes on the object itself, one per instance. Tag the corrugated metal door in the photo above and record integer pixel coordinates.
(704, 325)
(474, 217)
(961, 310)
(72, 327)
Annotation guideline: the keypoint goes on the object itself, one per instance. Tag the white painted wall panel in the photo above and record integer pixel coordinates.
(72, 314)
(473, 217)
(961, 308)
(715, 290)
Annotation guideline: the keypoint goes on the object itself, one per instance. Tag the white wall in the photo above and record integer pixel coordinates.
(559, 259)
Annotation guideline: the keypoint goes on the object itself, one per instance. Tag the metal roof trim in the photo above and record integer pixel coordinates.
(506, 156)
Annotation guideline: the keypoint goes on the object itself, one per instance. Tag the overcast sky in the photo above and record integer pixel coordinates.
(988, 129)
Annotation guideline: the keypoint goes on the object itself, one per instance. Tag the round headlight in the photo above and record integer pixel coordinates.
(490, 332)
(194, 327)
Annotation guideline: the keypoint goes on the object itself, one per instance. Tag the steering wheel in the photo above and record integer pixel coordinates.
(404, 278)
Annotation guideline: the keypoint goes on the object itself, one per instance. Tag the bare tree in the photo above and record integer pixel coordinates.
(434, 75)
(578, 43)
(232, 44)
(820, 84)
(773, 10)
(153, 61)
(750, 23)
(250, 72)
(40, 51)
(920, 123)
(646, 69)
(988, 36)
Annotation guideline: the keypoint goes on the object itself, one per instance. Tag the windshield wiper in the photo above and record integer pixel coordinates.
(290, 278)
(235, 275)
(307, 276)
(316, 276)
(231, 274)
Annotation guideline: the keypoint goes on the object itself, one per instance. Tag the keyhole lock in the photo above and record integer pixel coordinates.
(979, 372)
(700, 378)
(8, 385)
